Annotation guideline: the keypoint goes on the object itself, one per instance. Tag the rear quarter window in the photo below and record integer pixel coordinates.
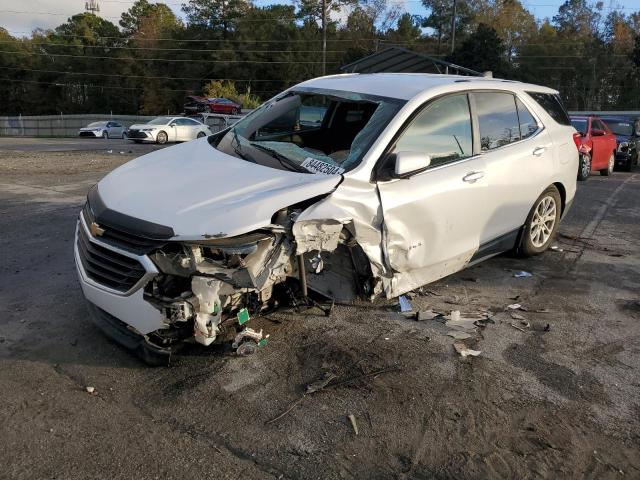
(552, 105)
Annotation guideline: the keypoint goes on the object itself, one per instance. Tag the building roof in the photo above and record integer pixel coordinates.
(401, 60)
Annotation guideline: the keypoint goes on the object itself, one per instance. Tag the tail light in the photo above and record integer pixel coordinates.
(577, 138)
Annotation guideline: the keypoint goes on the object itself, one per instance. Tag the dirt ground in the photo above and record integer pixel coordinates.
(555, 392)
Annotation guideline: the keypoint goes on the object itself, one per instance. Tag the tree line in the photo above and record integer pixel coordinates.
(152, 59)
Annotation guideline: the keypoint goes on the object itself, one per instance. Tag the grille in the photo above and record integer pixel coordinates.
(120, 238)
(87, 134)
(136, 134)
(107, 267)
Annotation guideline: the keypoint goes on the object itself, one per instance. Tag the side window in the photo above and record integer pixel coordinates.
(528, 124)
(553, 106)
(497, 119)
(442, 131)
(189, 121)
(598, 125)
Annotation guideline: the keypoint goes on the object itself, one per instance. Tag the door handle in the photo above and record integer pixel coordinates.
(472, 177)
(539, 151)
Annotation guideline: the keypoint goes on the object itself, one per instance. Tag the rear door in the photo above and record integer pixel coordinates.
(519, 158)
(433, 220)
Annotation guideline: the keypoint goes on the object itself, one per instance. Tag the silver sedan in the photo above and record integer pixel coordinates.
(103, 130)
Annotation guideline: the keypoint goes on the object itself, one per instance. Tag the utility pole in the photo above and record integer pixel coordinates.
(324, 37)
(92, 6)
(453, 27)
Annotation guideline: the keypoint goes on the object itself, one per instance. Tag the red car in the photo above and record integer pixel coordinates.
(596, 144)
(225, 106)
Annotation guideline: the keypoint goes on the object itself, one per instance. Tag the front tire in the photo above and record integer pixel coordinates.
(201, 134)
(105, 134)
(162, 138)
(606, 172)
(542, 223)
(584, 167)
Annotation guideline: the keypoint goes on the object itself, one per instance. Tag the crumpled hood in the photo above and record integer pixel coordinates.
(200, 191)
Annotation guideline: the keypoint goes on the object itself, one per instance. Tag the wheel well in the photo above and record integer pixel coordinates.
(563, 195)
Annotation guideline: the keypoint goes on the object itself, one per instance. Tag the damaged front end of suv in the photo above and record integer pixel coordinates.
(190, 242)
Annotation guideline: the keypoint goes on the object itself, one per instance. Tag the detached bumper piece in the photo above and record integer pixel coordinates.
(136, 343)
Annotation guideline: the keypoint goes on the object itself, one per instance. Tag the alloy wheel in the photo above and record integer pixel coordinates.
(543, 221)
(586, 165)
(611, 164)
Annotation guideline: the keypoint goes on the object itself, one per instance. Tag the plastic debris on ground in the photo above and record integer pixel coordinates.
(555, 248)
(405, 304)
(514, 306)
(465, 351)
(316, 263)
(456, 321)
(90, 390)
(458, 335)
(354, 425)
(522, 274)
(423, 315)
(321, 383)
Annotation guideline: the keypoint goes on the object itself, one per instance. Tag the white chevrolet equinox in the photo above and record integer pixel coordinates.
(343, 186)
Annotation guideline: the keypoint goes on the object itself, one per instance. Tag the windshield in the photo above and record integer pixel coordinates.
(620, 128)
(579, 124)
(311, 130)
(159, 121)
(97, 124)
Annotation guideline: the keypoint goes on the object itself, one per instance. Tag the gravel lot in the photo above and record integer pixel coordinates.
(561, 401)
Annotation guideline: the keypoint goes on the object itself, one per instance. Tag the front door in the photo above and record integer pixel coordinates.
(433, 220)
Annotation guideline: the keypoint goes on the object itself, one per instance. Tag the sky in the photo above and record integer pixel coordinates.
(20, 18)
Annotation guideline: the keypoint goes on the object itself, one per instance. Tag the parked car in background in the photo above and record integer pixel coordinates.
(106, 129)
(220, 105)
(596, 145)
(627, 132)
(398, 180)
(168, 129)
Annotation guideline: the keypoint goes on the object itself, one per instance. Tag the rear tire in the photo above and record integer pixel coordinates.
(162, 138)
(584, 167)
(542, 223)
(606, 172)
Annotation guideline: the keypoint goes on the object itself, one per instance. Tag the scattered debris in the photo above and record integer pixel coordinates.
(465, 351)
(321, 383)
(514, 306)
(423, 315)
(352, 419)
(457, 322)
(518, 328)
(433, 293)
(109, 151)
(90, 390)
(517, 316)
(470, 279)
(405, 304)
(248, 340)
(547, 327)
(522, 274)
(458, 335)
(555, 248)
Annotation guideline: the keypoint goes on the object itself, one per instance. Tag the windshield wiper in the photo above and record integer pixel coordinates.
(238, 148)
(284, 161)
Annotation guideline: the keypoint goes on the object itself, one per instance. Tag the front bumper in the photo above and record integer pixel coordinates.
(140, 136)
(128, 307)
(89, 134)
(623, 159)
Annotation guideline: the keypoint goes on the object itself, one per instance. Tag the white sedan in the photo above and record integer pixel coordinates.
(168, 129)
(102, 130)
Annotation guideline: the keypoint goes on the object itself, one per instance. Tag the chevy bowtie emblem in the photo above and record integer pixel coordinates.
(95, 229)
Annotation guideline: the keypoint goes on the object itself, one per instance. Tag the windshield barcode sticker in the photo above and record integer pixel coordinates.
(318, 166)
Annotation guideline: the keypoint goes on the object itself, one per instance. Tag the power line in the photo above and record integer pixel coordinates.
(172, 60)
(119, 47)
(110, 87)
(217, 19)
(117, 75)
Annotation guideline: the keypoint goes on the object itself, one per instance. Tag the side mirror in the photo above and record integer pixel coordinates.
(597, 133)
(410, 163)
